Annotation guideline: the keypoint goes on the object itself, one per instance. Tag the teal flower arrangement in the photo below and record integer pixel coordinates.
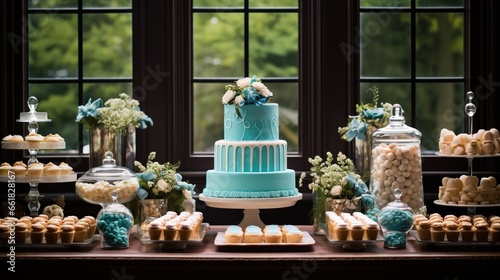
(116, 114)
(370, 117)
(246, 91)
(161, 180)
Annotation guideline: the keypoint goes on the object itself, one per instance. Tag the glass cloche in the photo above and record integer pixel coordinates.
(98, 183)
(396, 220)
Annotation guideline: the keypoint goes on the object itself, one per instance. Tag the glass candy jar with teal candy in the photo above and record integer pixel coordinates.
(396, 220)
(114, 223)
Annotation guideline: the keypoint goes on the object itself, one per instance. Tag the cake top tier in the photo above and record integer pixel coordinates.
(246, 91)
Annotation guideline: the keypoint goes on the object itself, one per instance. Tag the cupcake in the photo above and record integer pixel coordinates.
(495, 232)
(53, 171)
(19, 170)
(292, 234)
(253, 234)
(155, 230)
(65, 168)
(93, 225)
(88, 224)
(372, 230)
(21, 232)
(467, 231)
(452, 232)
(34, 137)
(80, 232)
(37, 233)
(341, 230)
(185, 230)
(35, 171)
(67, 233)
(437, 231)
(46, 167)
(51, 138)
(424, 230)
(4, 169)
(233, 234)
(52, 233)
(482, 231)
(357, 231)
(13, 138)
(4, 233)
(170, 231)
(273, 235)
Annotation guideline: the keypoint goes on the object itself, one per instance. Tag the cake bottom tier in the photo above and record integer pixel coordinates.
(250, 185)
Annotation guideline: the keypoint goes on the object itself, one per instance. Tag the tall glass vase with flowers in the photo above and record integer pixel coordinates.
(360, 127)
(161, 189)
(112, 127)
(337, 187)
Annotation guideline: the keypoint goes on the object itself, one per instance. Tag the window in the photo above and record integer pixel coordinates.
(414, 52)
(243, 39)
(77, 50)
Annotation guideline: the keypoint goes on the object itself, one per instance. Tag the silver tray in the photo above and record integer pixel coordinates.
(220, 240)
(196, 239)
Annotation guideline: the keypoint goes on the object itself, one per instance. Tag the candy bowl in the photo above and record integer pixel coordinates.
(396, 220)
(97, 184)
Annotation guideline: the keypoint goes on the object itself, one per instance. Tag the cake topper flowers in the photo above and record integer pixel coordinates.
(246, 91)
(370, 117)
(115, 114)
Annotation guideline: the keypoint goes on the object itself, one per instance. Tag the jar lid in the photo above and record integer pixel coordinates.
(97, 184)
(108, 171)
(396, 128)
(398, 204)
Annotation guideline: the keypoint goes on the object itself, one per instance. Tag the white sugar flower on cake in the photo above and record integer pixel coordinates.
(246, 91)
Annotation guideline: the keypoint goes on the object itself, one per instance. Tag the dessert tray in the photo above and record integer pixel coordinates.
(44, 179)
(220, 240)
(42, 245)
(350, 244)
(196, 239)
(459, 242)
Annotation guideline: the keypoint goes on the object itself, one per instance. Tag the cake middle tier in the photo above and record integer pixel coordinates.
(250, 185)
(250, 156)
(252, 123)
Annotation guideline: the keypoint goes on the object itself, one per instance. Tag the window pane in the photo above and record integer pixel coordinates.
(385, 44)
(274, 53)
(208, 115)
(217, 3)
(384, 3)
(107, 3)
(52, 3)
(440, 3)
(107, 46)
(440, 105)
(53, 36)
(223, 32)
(273, 3)
(389, 93)
(60, 101)
(287, 96)
(439, 46)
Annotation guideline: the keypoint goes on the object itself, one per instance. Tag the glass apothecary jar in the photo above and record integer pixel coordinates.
(97, 184)
(396, 163)
(114, 223)
(396, 220)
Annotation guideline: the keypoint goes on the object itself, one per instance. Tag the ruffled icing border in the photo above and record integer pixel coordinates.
(247, 194)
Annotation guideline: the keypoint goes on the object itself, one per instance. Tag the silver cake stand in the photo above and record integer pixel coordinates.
(251, 206)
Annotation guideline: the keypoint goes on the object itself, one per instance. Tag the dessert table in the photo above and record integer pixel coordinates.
(323, 258)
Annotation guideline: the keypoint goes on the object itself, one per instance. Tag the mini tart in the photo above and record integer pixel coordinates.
(34, 137)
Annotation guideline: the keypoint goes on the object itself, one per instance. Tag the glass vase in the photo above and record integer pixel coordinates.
(122, 145)
(318, 212)
(363, 154)
(150, 209)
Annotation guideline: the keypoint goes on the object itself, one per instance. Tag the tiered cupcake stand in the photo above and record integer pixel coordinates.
(33, 118)
(251, 206)
(470, 110)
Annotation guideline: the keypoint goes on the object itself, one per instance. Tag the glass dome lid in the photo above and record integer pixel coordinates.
(98, 183)
(396, 128)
